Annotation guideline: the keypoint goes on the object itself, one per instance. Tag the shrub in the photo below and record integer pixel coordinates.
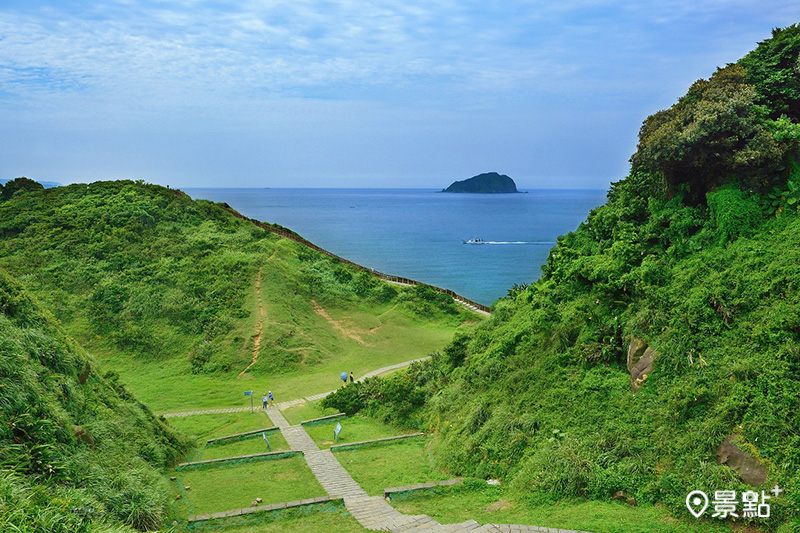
(734, 212)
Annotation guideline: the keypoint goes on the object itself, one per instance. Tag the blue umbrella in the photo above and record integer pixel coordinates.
(343, 376)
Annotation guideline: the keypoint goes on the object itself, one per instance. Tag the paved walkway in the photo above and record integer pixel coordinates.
(373, 512)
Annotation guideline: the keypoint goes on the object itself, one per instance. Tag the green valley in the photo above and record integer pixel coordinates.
(186, 306)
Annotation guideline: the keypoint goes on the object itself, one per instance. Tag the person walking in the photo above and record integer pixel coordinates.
(264, 401)
(352, 379)
(271, 403)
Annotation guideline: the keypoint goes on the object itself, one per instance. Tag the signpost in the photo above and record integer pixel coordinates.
(336, 431)
(250, 393)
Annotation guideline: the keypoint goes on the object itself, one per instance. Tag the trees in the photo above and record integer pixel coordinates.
(714, 134)
(774, 70)
(19, 184)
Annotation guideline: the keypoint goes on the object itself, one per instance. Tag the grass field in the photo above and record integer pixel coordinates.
(391, 464)
(305, 411)
(224, 488)
(354, 428)
(492, 504)
(324, 347)
(214, 425)
(247, 446)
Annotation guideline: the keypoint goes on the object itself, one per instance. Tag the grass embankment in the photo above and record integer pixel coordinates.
(210, 426)
(391, 464)
(297, 520)
(247, 446)
(354, 429)
(215, 425)
(306, 411)
(228, 487)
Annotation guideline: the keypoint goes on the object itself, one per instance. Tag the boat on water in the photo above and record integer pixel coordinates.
(474, 241)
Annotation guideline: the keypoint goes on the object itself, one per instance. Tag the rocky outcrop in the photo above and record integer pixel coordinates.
(750, 469)
(83, 376)
(81, 435)
(490, 182)
(640, 362)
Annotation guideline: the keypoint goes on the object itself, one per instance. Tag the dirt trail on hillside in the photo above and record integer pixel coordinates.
(350, 333)
(259, 326)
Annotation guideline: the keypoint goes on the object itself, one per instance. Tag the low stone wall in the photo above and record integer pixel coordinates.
(321, 419)
(239, 458)
(261, 509)
(387, 493)
(246, 434)
(348, 445)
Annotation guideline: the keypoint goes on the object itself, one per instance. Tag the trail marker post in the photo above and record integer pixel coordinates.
(250, 393)
(264, 434)
(336, 431)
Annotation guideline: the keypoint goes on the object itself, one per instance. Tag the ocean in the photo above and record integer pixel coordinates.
(419, 233)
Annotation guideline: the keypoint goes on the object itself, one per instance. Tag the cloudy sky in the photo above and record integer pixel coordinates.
(342, 93)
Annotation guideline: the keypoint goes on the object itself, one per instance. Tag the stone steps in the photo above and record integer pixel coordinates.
(372, 512)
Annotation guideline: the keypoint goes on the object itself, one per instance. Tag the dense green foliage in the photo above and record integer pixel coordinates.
(740, 125)
(10, 187)
(77, 452)
(688, 256)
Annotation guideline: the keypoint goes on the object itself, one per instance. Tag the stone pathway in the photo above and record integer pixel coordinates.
(373, 512)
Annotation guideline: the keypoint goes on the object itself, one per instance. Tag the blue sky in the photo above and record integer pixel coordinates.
(342, 93)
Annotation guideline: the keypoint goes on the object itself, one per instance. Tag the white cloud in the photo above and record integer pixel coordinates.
(538, 68)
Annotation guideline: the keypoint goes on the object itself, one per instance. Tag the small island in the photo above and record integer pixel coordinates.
(487, 183)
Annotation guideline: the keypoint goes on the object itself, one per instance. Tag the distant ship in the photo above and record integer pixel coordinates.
(474, 241)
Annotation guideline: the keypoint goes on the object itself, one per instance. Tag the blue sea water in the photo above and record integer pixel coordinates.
(418, 233)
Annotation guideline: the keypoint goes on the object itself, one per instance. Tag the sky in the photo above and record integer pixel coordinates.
(346, 93)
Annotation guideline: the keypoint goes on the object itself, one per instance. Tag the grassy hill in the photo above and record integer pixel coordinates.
(192, 305)
(77, 451)
(184, 305)
(696, 258)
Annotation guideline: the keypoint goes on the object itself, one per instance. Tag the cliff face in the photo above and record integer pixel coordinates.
(490, 182)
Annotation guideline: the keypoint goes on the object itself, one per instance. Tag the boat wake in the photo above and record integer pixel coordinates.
(481, 241)
(548, 243)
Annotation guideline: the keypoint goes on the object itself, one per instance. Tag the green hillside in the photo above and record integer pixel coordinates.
(77, 452)
(192, 305)
(695, 261)
(185, 305)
